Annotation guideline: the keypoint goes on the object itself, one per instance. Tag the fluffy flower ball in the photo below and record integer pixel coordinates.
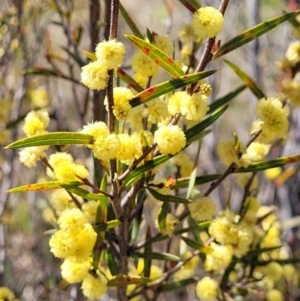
(36, 123)
(74, 272)
(164, 43)
(94, 75)
(111, 53)
(207, 289)
(93, 288)
(202, 209)
(170, 139)
(143, 65)
(207, 22)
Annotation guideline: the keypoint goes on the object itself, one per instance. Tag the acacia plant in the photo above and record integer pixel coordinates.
(136, 221)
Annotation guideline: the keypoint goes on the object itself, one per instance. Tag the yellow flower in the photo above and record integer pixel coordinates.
(106, 148)
(56, 159)
(170, 139)
(143, 65)
(207, 289)
(74, 272)
(187, 34)
(130, 148)
(93, 288)
(218, 257)
(202, 209)
(293, 53)
(207, 22)
(140, 79)
(36, 123)
(94, 75)
(206, 89)
(164, 43)
(185, 164)
(30, 155)
(90, 210)
(274, 295)
(274, 271)
(175, 101)
(111, 53)
(157, 111)
(60, 200)
(170, 224)
(185, 54)
(291, 90)
(135, 118)
(228, 153)
(96, 129)
(121, 107)
(243, 179)
(6, 294)
(66, 172)
(257, 151)
(72, 219)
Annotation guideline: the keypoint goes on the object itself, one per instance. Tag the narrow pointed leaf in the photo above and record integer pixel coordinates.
(253, 33)
(191, 243)
(40, 186)
(167, 198)
(84, 193)
(112, 265)
(248, 81)
(191, 5)
(90, 55)
(162, 216)
(55, 138)
(225, 99)
(184, 182)
(195, 132)
(191, 182)
(108, 225)
(130, 22)
(48, 72)
(257, 252)
(168, 86)
(158, 56)
(158, 256)
(177, 285)
(199, 226)
(126, 78)
(270, 164)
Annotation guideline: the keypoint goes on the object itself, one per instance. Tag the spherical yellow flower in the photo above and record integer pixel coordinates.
(187, 34)
(257, 151)
(194, 107)
(274, 270)
(93, 288)
(164, 43)
(272, 173)
(186, 54)
(157, 111)
(293, 53)
(90, 210)
(121, 107)
(136, 117)
(60, 200)
(218, 257)
(207, 22)
(30, 155)
(142, 64)
(274, 117)
(243, 179)
(140, 79)
(207, 289)
(228, 153)
(66, 172)
(74, 272)
(130, 148)
(39, 97)
(206, 89)
(94, 75)
(106, 148)
(111, 53)
(6, 294)
(291, 90)
(274, 295)
(71, 219)
(170, 224)
(96, 129)
(170, 139)
(175, 101)
(202, 209)
(36, 123)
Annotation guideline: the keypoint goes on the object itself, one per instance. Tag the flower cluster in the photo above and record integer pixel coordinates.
(110, 54)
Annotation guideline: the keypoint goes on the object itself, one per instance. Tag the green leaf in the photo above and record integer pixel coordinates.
(199, 226)
(130, 22)
(191, 5)
(248, 81)
(84, 193)
(225, 99)
(184, 182)
(112, 265)
(126, 78)
(40, 186)
(270, 164)
(168, 86)
(139, 172)
(158, 56)
(192, 243)
(108, 225)
(55, 138)
(48, 72)
(253, 33)
(163, 212)
(257, 252)
(158, 256)
(191, 182)
(90, 55)
(167, 198)
(194, 132)
(178, 284)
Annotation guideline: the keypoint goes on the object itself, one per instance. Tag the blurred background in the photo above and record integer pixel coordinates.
(52, 35)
